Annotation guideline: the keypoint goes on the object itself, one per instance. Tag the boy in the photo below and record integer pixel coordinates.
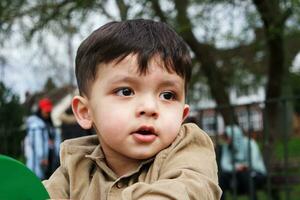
(132, 77)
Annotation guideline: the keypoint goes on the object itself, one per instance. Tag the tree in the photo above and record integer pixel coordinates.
(274, 16)
(295, 82)
(11, 120)
(49, 85)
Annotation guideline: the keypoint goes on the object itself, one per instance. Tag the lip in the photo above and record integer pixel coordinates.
(148, 137)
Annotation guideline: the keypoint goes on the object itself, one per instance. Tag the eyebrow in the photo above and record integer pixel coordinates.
(126, 79)
(167, 83)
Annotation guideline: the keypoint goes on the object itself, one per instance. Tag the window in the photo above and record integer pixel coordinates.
(209, 124)
(255, 120)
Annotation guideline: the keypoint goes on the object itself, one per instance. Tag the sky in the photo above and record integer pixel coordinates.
(26, 67)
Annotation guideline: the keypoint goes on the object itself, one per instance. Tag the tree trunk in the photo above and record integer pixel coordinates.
(205, 54)
(274, 18)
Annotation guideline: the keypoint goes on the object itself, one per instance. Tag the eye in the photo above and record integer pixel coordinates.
(124, 92)
(167, 95)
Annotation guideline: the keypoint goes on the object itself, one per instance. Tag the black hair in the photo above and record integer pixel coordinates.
(47, 120)
(144, 38)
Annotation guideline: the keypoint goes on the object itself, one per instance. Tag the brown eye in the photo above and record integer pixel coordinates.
(167, 96)
(124, 92)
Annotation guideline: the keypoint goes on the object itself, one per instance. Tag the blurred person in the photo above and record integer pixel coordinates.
(42, 141)
(235, 159)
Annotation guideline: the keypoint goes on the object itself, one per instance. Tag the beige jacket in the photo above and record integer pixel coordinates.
(185, 170)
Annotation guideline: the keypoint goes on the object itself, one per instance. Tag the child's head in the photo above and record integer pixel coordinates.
(132, 77)
(144, 38)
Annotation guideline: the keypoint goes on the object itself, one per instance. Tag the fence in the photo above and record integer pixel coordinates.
(283, 180)
(283, 159)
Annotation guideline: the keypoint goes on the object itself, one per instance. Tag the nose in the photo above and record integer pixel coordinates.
(148, 107)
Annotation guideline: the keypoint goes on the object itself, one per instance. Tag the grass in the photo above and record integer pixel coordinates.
(293, 152)
(293, 147)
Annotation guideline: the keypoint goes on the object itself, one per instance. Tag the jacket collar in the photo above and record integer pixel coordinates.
(98, 157)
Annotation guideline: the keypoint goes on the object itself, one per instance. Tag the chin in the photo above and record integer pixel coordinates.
(144, 156)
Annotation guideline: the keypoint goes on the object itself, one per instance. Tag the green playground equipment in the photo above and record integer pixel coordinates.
(17, 182)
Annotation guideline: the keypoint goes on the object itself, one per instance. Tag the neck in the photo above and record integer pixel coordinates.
(120, 164)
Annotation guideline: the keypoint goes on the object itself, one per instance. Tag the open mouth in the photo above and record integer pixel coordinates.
(145, 134)
(144, 130)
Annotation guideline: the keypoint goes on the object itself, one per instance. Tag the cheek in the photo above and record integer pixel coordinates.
(172, 122)
(110, 119)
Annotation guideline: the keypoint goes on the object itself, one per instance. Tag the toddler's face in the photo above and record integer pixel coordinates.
(136, 115)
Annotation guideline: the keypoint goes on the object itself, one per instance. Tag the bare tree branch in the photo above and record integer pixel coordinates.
(104, 11)
(123, 9)
(158, 11)
(206, 55)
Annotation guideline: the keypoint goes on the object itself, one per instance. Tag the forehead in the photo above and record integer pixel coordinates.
(129, 66)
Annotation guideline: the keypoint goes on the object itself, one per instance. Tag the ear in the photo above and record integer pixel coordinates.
(186, 112)
(81, 111)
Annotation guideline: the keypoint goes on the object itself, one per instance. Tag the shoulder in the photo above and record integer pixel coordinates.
(192, 152)
(34, 121)
(190, 133)
(73, 150)
(191, 141)
(74, 170)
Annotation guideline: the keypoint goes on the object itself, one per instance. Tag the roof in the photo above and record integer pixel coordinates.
(55, 95)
